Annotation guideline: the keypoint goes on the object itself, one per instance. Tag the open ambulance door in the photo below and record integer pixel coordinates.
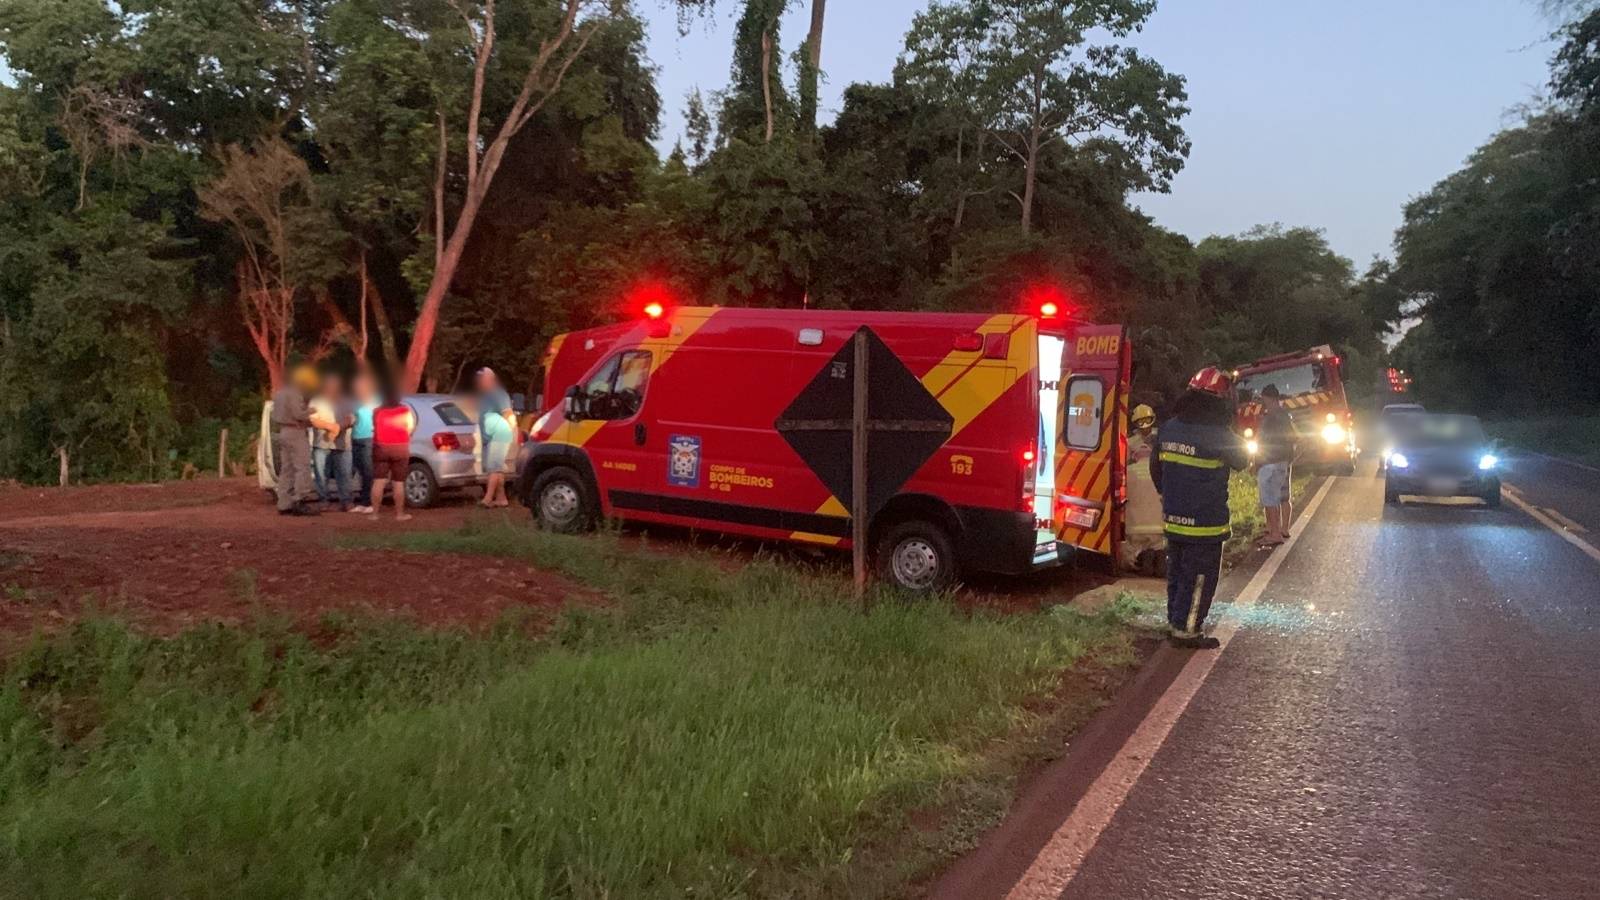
(1090, 453)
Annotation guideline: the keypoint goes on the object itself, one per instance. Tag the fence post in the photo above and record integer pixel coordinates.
(222, 454)
(858, 470)
(66, 467)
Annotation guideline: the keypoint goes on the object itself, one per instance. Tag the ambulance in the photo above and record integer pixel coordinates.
(995, 444)
(1311, 385)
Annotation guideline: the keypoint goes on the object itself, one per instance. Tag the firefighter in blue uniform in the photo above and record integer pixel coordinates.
(1195, 451)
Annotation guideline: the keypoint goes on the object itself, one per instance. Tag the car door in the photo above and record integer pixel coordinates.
(622, 448)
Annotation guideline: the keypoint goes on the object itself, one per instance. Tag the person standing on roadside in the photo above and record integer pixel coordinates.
(1143, 528)
(330, 445)
(366, 402)
(1275, 467)
(1195, 450)
(496, 431)
(291, 448)
(392, 425)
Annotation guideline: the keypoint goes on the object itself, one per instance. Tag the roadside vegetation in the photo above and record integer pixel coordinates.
(1573, 437)
(1244, 507)
(711, 730)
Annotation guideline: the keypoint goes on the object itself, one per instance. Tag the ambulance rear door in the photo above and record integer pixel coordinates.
(1090, 456)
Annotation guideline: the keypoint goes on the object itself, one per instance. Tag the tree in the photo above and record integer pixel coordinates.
(264, 194)
(543, 68)
(697, 127)
(756, 100)
(1032, 81)
(811, 72)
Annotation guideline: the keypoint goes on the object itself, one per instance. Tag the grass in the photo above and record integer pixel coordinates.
(1244, 507)
(715, 731)
(1573, 437)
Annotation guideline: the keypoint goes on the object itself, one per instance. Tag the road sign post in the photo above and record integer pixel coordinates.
(858, 469)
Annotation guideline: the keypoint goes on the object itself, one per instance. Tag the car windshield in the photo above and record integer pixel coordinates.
(1440, 431)
(1291, 382)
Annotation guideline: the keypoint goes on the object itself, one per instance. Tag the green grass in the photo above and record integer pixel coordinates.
(1573, 437)
(714, 731)
(1244, 507)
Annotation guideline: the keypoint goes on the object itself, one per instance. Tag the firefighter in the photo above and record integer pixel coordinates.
(292, 449)
(1143, 529)
(1195, 451)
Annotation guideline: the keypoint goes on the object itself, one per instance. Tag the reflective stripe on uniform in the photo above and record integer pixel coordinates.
(1197, 530)
(1183, 459)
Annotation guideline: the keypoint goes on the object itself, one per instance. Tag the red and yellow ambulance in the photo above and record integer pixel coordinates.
(738, 420)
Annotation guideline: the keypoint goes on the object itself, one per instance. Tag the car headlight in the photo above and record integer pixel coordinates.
(1252, 447)
(1333, 433)
(1488, 461)
(1399, 461)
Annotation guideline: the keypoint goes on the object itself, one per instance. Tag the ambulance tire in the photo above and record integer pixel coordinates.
(561, 502)
(917, 556)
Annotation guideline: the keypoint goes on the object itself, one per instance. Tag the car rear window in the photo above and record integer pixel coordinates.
(451, 414)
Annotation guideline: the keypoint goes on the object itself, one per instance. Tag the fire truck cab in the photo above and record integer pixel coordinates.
(738, 421)
(1311, 386)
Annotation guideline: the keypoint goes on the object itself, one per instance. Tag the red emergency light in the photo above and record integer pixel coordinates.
(654, 310)
(1047, 301)
(649, 299)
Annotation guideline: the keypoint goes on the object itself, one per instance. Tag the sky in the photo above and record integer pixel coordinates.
(1322, 113)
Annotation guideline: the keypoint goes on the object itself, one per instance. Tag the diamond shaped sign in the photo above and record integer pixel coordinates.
(907, 424)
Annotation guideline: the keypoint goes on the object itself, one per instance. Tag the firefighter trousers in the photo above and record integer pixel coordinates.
(1193, 570)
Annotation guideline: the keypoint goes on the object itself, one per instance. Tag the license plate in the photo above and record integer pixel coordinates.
(1442, 485)
(1080, 517)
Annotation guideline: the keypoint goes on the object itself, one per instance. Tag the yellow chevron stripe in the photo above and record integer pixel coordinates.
(684, 325)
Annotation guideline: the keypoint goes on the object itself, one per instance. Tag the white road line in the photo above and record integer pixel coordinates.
(1565, 462)
(1061, 857)
(1543, 519)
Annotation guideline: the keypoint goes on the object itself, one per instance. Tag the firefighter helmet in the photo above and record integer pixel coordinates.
(1211, 380)
(1143, 416)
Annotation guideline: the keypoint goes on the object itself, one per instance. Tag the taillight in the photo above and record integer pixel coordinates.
(446, 440)
(1029, 475)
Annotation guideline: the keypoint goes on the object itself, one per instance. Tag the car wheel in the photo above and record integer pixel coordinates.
(561, 502)
(1492, 496)
(1348, 468)
(917, 556)
(422, 490)
(1390, 495)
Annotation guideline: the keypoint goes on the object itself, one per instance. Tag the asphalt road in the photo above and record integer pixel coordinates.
(1569, 491)
(1411, 709)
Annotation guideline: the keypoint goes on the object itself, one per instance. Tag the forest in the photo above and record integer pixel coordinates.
(199, 193)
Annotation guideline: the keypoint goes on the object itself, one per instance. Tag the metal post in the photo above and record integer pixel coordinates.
(858, 470)
(222, 454)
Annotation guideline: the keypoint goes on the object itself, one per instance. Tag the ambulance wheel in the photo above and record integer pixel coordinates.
(917, 556)
(560, 501)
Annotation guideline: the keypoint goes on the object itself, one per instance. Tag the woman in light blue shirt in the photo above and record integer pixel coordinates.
(496, 432)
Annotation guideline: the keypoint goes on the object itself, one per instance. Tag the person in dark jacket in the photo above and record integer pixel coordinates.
(1195, 451)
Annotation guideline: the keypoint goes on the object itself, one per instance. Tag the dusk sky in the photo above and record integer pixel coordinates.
(1329, 115)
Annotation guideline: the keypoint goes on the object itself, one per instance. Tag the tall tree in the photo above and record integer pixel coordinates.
(264, 194)
(543, 61)
(1035, 81)
(811, 71)
(697, 127)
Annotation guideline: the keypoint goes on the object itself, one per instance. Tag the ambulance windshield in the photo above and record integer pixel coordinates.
(1291, 382)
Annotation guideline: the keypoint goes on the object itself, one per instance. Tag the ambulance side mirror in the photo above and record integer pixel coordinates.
(576, 404)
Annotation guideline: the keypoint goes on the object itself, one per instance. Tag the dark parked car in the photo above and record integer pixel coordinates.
(1441, 456)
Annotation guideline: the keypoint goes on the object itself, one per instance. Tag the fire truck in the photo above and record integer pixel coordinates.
(738, 421)
(1311, 385)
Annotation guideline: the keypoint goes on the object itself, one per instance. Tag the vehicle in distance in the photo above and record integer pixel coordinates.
(1441, 456)
(1386, 419)
(1310, 384)
(738, 420)
(444, 449)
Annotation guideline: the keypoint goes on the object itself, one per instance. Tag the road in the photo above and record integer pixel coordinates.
(1410, 709)
(1568, 492)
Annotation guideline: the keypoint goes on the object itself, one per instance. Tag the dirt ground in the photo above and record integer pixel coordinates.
(170, 555)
